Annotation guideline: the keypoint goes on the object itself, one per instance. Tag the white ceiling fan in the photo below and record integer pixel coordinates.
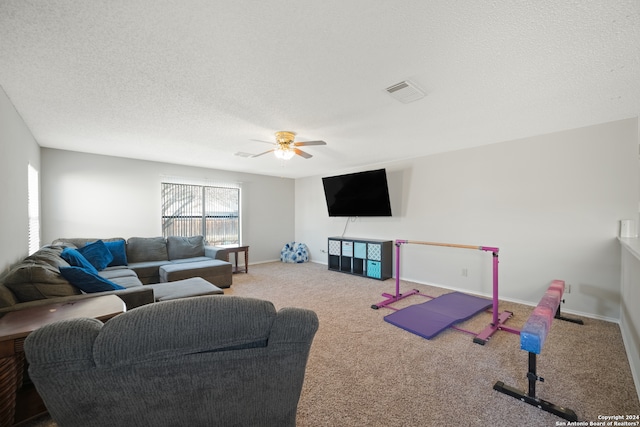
(285, 148)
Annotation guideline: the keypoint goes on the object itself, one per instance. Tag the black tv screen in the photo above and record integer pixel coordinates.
(358, 194)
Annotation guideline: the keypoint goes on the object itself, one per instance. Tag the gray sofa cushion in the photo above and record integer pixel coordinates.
(50, 255)
(7, 299)
(192, 287)
(213, 270)
(142, 249)
(121, 276)
(147, 271)
(79, 242)
(122, 341)
(127, 282)
(113, 272)
(31, 280)
(179, 247)
(194, 259)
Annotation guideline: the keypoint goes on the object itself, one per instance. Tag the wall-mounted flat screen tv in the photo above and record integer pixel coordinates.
(358, 194)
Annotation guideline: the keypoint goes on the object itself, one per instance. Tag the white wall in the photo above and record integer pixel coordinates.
(18, 149)
(85, 195)
(551, 203)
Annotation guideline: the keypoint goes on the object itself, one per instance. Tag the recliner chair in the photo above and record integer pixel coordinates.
(204, 361)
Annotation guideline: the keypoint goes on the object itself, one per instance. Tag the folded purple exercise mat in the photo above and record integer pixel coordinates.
(432, 317)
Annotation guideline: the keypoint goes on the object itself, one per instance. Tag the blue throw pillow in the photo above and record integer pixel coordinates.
(97, 254)
(87, 281)
(76, 259)
(118, 251)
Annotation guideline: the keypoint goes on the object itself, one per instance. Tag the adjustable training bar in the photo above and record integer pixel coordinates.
(499, 319)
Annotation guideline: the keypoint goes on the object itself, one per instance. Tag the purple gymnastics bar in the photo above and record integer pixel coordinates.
(498, 318)
(535, 330)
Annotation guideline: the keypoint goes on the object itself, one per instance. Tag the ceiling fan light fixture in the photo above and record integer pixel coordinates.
(285, 137)
(283, 153)
(284, 150)
(285, 147)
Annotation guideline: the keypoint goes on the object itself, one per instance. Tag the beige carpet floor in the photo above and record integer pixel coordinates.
(363, 371)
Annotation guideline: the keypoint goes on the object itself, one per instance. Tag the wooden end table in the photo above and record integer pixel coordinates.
(236, 249)
(20, 402)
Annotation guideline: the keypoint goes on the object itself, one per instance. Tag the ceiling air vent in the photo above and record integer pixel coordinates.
(405, 92)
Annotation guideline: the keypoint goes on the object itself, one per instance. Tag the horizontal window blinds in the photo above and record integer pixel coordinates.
(33, 202)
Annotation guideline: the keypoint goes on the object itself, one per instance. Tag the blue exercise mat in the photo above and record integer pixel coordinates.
(432, 317)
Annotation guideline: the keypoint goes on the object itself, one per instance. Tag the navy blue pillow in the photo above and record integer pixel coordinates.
(97, 254)
(88, 281)
(76, 259)
(118, 251)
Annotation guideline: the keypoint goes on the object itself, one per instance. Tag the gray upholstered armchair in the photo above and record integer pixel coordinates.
(205, 361)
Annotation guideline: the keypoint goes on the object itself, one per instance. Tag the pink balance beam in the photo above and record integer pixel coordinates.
(532, 338)
(535, 330)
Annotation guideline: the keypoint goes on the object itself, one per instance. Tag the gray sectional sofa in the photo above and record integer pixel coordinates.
(140, 270)
(147, 255)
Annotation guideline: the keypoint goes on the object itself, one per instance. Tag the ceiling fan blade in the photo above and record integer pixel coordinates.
(302, 153)
(302, 144)
(259, 140)
(261, 154)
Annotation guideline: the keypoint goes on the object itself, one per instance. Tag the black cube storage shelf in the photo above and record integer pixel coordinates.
(361, 257)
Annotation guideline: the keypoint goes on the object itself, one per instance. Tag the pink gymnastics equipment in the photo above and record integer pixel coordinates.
(498, 320)
(532, 338)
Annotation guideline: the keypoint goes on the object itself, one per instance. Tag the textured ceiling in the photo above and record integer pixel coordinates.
(193, 82)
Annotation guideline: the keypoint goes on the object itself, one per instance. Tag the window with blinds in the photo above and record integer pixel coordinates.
(191, 210)
(33, 208)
